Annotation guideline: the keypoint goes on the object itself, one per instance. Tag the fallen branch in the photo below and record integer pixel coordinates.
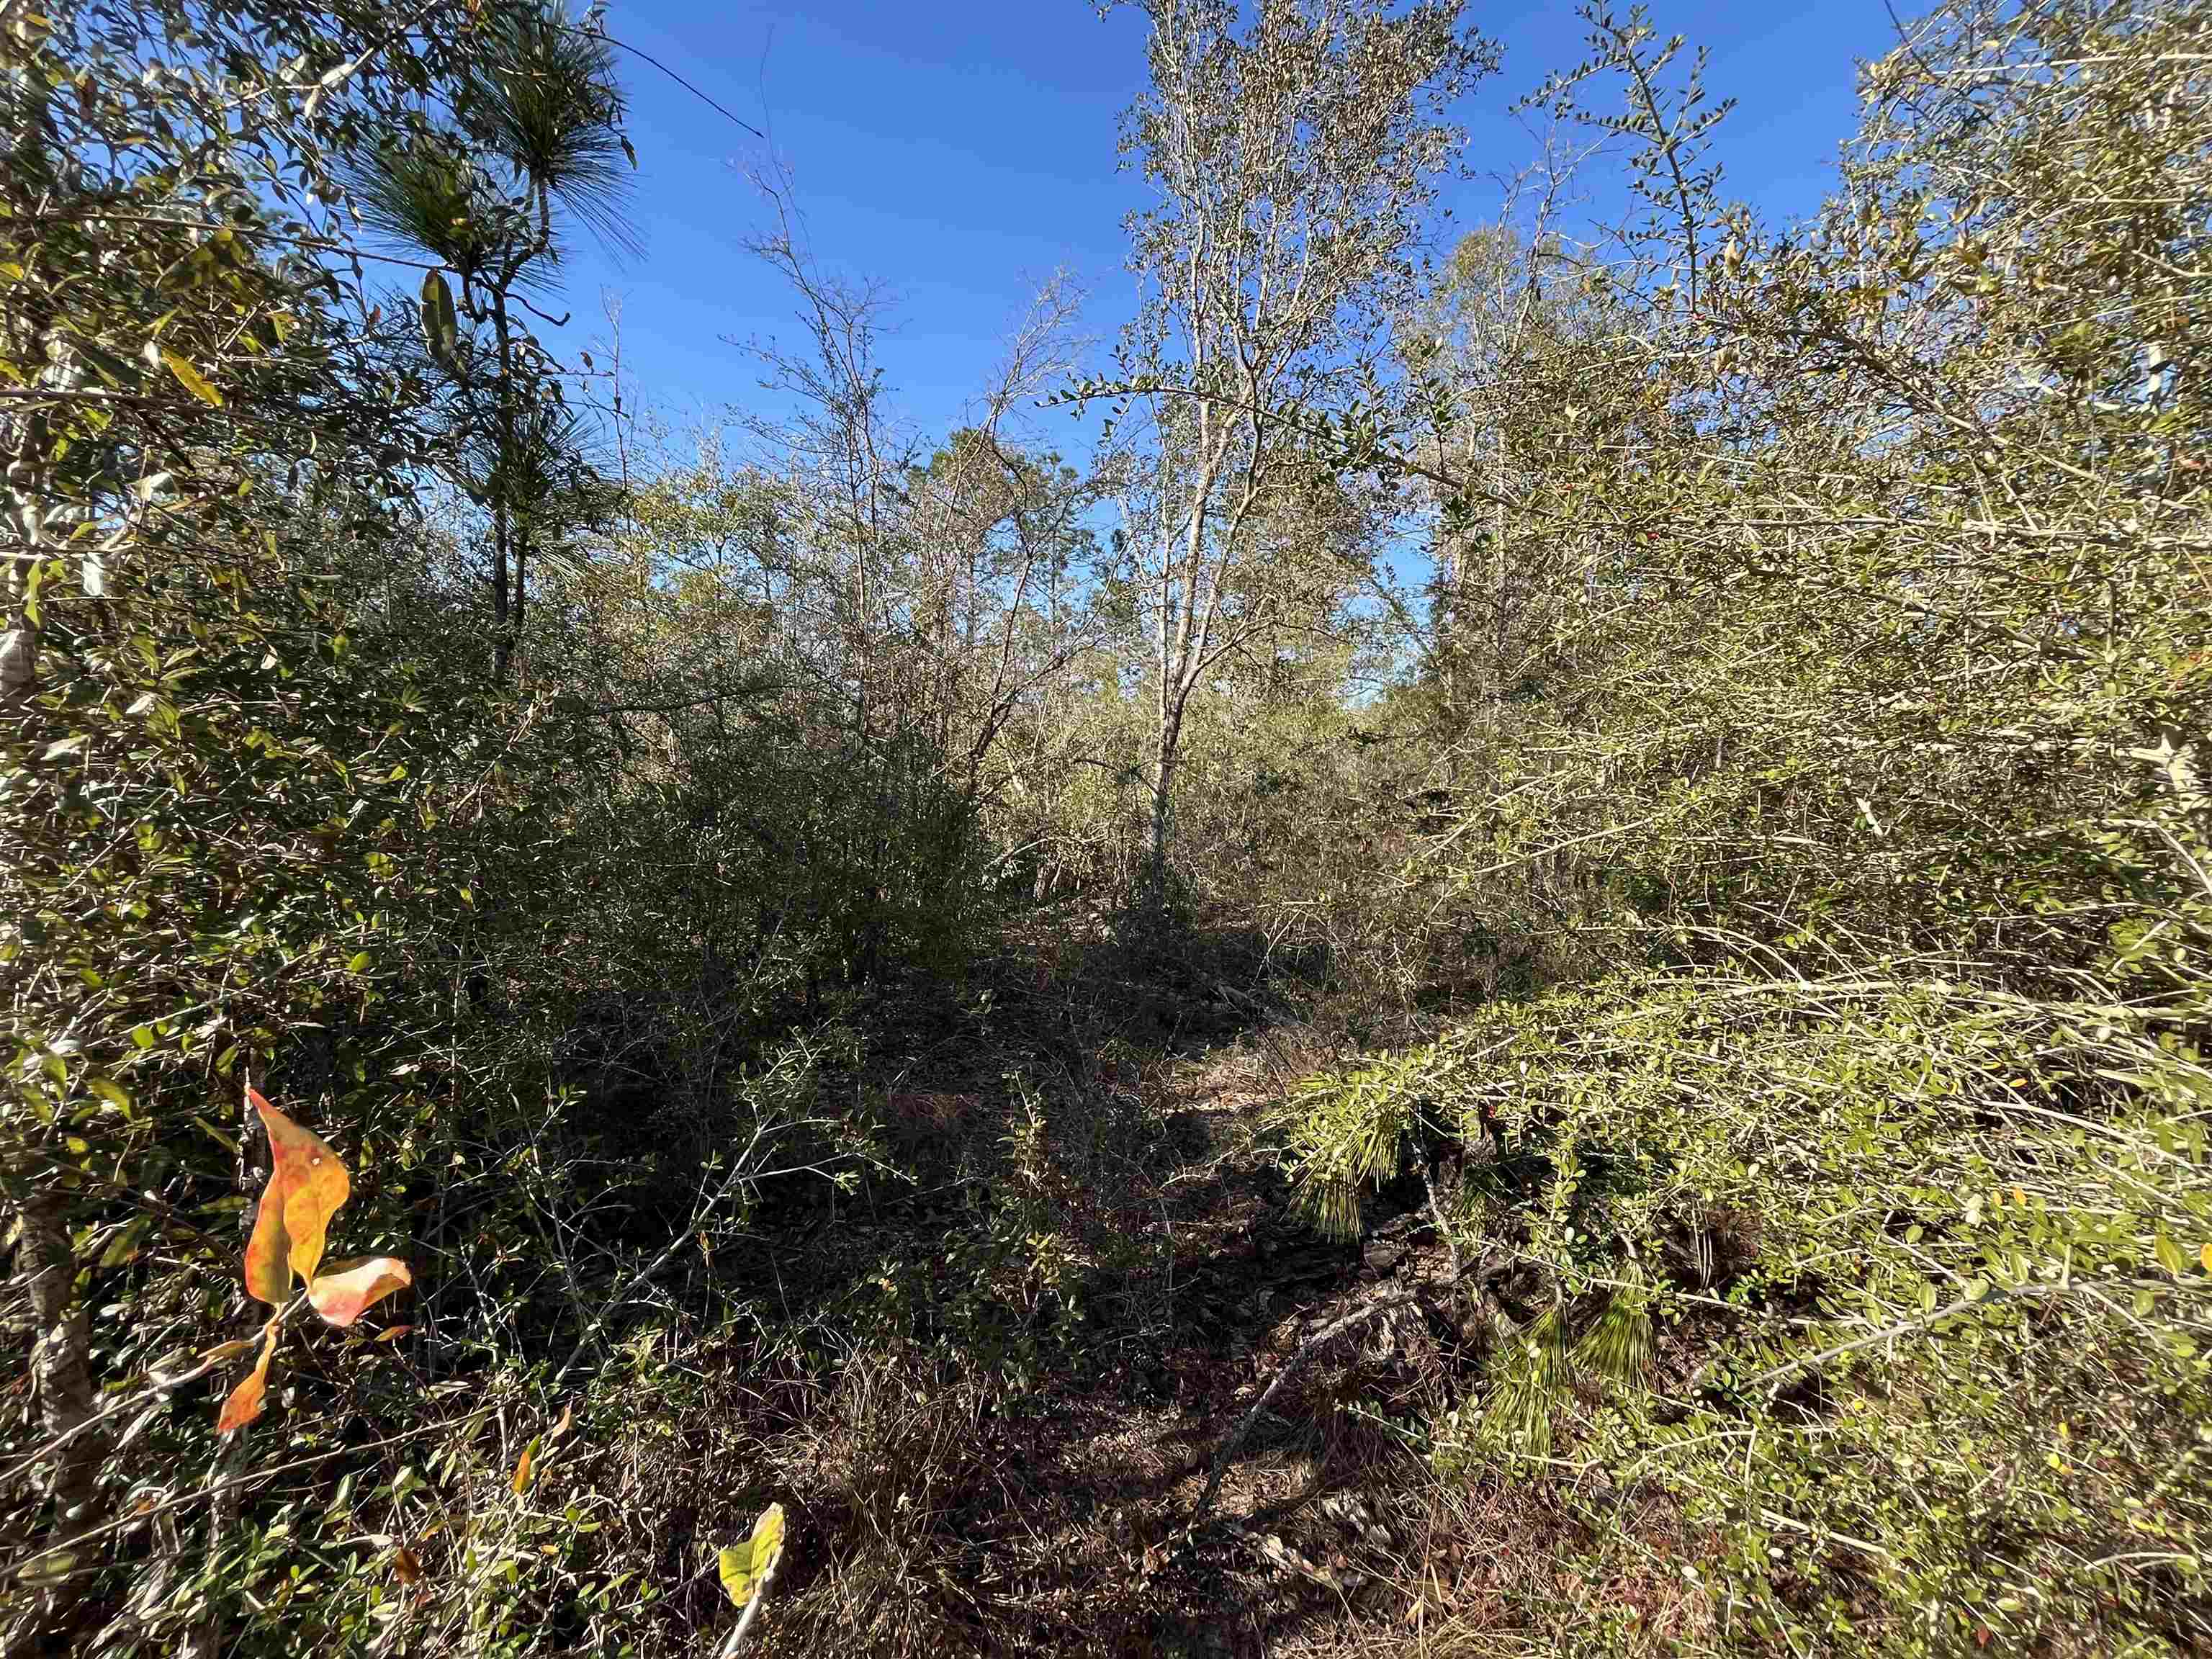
(1307, 1349)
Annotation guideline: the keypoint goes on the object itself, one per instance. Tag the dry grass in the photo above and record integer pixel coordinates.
(978, 1457)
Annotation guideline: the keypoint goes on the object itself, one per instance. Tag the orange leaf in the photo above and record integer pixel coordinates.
(351, 1288)
(307, 1184)
(393, 1333)
(317, 1186)
(522, 1468)
(405, 1563)
(244, 1402)
(267, 1277)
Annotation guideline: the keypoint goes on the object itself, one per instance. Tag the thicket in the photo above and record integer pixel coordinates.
(1834, 698)
(1762, 866)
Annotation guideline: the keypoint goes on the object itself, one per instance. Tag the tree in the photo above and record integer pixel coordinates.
(1295, 161)
(537, 122)
(249, 771)
(231, 651)
(928, 594)
(1511, 335)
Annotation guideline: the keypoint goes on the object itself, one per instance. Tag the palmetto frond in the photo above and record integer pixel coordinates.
(1348, 1129)
(1619, 1346)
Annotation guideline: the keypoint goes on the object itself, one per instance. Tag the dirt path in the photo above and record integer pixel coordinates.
(1055, 1518)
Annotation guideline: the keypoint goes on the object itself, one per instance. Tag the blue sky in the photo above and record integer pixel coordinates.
(961, 153)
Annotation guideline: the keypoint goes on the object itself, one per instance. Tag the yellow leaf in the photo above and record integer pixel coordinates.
(245, 1400)
(191, 379)
(351, 1288)
(2204, 1256)
(306, 1185)
(746, 1566)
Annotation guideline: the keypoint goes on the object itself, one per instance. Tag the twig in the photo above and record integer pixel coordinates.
(729, 1649)
(1306, 1350)
(641, 1276)
(1782, 1373)
(1436, 1215)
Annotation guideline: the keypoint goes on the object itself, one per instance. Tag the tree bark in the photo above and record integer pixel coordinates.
(61, 1380)
(1164, 767)
(502, 531)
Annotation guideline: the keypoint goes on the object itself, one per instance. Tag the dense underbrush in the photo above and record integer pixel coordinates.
(1642, 1089)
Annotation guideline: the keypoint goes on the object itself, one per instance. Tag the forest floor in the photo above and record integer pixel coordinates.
(1071, 1326)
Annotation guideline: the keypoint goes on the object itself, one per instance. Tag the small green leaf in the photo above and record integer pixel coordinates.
(746, 1567)
(124, 1247)
(360, 963)
(47, 1566)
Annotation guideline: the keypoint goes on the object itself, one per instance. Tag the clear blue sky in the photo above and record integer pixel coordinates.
(962, 152)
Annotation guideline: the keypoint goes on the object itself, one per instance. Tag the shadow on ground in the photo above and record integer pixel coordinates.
(1001, 1375)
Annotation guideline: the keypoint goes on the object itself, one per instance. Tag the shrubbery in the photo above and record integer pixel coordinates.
(722, 909)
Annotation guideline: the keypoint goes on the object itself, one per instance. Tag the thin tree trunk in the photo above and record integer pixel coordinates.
(1163, 765)
(61, 1379)
(504, 619)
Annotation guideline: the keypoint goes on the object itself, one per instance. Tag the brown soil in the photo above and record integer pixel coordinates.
(937, 1509)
